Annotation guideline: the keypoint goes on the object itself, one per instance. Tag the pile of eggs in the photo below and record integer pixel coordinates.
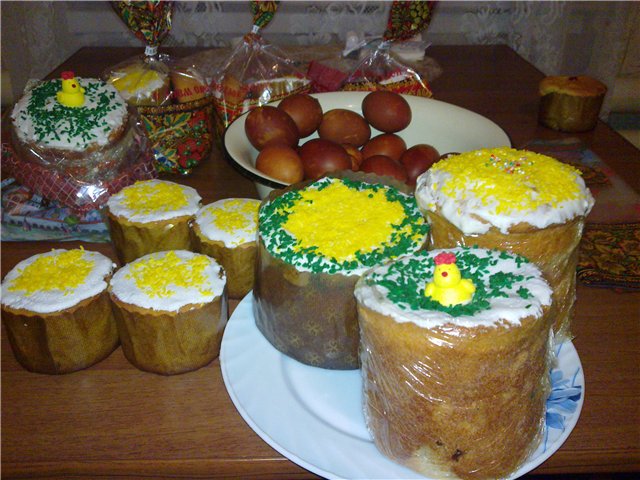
(344, 139)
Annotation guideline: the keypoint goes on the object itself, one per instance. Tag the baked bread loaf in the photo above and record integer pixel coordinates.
(314, 241)
(570, 104)
(514, 200)
(151, 216)
(56, 311)
(455, 390)
(226, 230)
(171, 310)
(87, 141)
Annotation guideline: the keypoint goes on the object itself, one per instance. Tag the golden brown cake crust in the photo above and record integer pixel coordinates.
(170, 343)
(64, 341)
(553, 249)
(453, 400)
(239, 263)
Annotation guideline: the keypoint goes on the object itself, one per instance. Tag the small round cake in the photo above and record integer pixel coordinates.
(79, 126)
(570, 104)
(171, 310)
(142, 84)
(514, 200)
(151, 216)
(455, 352)
(226, 230)
(315, 239)
(57, 312)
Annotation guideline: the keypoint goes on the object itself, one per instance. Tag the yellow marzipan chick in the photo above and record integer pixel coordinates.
(72, 94)
(448, 287)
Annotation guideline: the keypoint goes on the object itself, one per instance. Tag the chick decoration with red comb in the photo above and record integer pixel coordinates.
(72, 94)
(448, 287)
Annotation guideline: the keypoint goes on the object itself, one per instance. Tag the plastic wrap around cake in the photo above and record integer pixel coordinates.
(314, 241)
(74, 140)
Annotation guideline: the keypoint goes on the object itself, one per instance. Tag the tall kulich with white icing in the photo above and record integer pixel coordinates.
(226, 230)
(514, 200)
(151, 216)
(56, 311)
(87, 142)
(171, 310)
(458, 390)
(315, 239)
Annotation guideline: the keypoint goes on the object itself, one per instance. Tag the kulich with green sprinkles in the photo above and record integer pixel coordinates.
(314, 241)
(151, 216)
(226, 230)
(456, 390)
(515, 200)
(171, 309)
(57, 312)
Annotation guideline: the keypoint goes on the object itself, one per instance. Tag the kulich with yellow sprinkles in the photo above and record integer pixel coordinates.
(57, 312)
(515, 200)
(226, 230)
(171, 310)
(314, 241)
(151, 216)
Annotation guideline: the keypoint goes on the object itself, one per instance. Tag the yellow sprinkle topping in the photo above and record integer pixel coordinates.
(64, 271)
(235, 215)
(340, 221)
(149, 197)
(509, 179)
(135, 80)
(160, 276)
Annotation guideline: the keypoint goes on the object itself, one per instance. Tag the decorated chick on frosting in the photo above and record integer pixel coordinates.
(72, 94)
(448, 287)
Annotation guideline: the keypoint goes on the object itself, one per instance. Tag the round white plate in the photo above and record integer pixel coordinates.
(314, 416)
(447, 127)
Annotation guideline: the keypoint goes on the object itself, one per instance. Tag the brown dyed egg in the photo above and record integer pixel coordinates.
(344, 126)
(388, 144)
(281, 162)
(387, 111)
(320, 156)
(267, 124)
(383, 165)
(417, 159)
(305, 111)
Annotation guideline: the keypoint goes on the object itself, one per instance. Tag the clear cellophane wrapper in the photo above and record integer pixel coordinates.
(256, 73)
(82, 181)
(174, 102)
(554, 249)
(452, 401)
(309, 316)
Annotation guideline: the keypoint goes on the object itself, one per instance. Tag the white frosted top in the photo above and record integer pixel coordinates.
(56, 280)
(168, 281)
(154, 200)
(503, 187)
(397, 289)
(232, 221)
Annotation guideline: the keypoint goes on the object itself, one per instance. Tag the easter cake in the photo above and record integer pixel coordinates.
(151, 216)
(455, 353)
(80, 126)
(142, 84)
(226, 230)
(315, 239)
(514, 200)
(56, 311)
(171, 309)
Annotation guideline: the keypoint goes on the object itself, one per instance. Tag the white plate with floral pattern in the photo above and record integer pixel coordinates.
(314, 416)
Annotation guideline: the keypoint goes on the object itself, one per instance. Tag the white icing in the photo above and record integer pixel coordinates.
(119, 207)
(55, 300)
(473, 215)
(25, 126)
(124, 287)
(208, 216)
(511, 309)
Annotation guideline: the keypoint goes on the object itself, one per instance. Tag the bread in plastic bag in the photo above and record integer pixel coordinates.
(309, 260)
(456, 390)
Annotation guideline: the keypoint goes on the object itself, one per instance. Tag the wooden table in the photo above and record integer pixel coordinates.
(113, 420)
